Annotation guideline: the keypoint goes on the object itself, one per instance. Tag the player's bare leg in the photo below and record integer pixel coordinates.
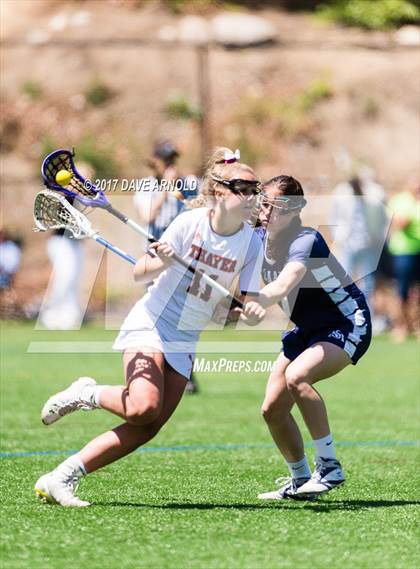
(60, 485)
(122, 440)
(137, 402)
(140, 401)
(276, 411)
(320, 361)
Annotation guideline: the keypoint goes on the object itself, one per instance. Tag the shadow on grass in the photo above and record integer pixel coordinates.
(324, 506)
(331, 506)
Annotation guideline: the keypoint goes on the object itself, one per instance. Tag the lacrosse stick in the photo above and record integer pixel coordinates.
(88, 194)
(52, 211)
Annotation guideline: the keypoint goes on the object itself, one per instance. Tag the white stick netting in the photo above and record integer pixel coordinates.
(52, 211)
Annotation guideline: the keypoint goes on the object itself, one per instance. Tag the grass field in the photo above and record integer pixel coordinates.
(189, 498)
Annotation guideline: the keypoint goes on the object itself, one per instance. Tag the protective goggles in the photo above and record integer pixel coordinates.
(241, 187)
(283, 204)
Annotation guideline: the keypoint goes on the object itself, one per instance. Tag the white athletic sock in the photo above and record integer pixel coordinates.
(92, 394)
(97, 390)
(324, 447)
(299, 469)
(72, 466)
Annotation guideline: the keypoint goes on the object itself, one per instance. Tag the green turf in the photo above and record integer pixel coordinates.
(197, 507)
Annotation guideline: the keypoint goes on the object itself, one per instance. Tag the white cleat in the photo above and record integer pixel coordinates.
(288, 489)
(56, 488)
(71, 399)
(327, 475)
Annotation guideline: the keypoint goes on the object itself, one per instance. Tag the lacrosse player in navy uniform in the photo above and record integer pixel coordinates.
(332, 330)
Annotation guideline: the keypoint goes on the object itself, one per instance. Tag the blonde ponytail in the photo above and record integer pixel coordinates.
(215, 167)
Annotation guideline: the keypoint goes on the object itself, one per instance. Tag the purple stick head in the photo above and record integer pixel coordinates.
(78, 188)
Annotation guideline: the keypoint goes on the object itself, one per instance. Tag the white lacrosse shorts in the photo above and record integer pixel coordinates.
(142, 331)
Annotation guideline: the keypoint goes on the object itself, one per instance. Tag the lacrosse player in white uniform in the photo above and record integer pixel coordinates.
(159, 335)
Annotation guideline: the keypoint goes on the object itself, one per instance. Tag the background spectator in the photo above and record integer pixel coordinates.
(61, 309)
(404, 247)
(157, 209)
(10, 257)
(359, 225)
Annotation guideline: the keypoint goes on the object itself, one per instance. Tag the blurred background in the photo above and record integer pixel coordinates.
(325, 91)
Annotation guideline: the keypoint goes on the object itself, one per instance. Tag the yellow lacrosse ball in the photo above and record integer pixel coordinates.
(63, 177)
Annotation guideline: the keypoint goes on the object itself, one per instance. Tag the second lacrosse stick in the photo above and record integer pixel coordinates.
(53, 211)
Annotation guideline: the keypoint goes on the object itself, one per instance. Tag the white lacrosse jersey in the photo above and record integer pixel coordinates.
(182, 304)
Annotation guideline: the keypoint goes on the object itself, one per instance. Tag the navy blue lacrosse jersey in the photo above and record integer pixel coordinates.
(326, 296)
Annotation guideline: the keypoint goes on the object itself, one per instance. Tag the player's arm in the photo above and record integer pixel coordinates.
(287, 280)
(252, 312)
(400, 214)
(400, 221)
(228, 311)
(149, 267)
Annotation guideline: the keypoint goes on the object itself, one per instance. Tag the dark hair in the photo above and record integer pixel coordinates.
(288, 185)
(166, 151)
